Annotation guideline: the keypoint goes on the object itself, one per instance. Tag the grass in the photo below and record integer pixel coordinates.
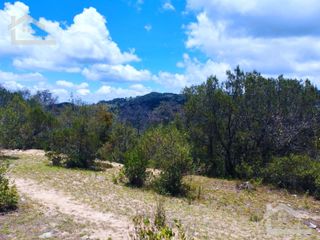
(219, 211)
(29, 223)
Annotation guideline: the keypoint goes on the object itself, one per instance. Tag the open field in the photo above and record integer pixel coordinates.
(75, 204)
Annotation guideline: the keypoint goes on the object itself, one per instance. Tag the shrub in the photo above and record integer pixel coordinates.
(81, 132)
(166, 148)
(122, 138)
(8, 195)
(295, 172)
(135, 168)
(146, 229)
(57, 159)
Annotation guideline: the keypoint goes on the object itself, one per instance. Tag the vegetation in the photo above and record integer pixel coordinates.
(294, 172)
(146, 229)
(8, 194)
(232, 129)
(237, 127)
(122, 138)
(135, 167)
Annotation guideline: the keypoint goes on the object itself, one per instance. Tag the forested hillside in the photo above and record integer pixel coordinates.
(248, 127)
(142, 112)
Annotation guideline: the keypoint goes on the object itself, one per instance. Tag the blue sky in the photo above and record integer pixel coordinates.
(122, 48)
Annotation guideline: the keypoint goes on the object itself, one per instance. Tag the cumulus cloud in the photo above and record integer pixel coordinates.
(237, 32)
(194, 73)
(87, 40)
(168, 6)
(106, 72)
(15, 81)
(68, 84)
(109, 92)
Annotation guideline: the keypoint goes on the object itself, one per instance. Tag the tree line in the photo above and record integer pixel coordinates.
(246, 127)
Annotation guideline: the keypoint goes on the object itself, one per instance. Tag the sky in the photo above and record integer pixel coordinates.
(99, 50)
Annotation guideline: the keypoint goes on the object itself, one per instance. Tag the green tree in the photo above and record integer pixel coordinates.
(122, 138)
(81, 132)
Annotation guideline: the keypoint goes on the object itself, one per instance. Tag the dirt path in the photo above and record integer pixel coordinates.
(105, 225)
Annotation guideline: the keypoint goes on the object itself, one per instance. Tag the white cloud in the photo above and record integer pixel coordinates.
(87, 40)
(148, 27)
(15, 81)
(107, 92)
(221, 41)
(83, 92)
(168, 6)
(194, 73)
(285, 9)
(68, 84)
(105, 72)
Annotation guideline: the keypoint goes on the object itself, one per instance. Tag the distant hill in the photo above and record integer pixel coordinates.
(146, 110)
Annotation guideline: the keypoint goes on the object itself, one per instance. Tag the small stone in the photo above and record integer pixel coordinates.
(46, 235)
(310, 225)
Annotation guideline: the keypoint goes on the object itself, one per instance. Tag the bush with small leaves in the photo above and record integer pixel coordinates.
(146, 229)
(8, 194)
(295, 172)
(167, 149)
(135, 168)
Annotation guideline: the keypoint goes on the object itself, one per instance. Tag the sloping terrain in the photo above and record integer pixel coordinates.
(96, 208)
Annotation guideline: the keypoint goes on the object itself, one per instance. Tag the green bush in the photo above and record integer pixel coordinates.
(57, 159)
(135, 168)
(8, 195)
(295, 172)
(122, 138)
(167, 149)
(146, 229)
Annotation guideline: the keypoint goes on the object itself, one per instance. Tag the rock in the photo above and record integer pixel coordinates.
(46, 235)
(310, 224)
(246, 186)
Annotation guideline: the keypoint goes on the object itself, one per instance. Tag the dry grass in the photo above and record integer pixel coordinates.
(29, 222)
(220, 211)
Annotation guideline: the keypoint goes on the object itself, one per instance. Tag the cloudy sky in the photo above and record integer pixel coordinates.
(119, 48)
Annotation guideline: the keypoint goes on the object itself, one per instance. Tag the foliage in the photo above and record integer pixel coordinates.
(8, 194)
(237, 126)
(158, 229)
(122, 138)
(166, 148)
(24, 124)
(135, 167)
(57, 159)
(296, 172)
(145, 111)
(81, 132)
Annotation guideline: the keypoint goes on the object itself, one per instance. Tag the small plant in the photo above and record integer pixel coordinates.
(8, 194)
(119, 178)
(146, 229)
(255, 217)
(160, 215)
(57, 159)
(194, 191)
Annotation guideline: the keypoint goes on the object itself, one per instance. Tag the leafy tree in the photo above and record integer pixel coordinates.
(167, 149)
(122, 138)
(13, 127)
(81, 132)
(237, 126)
